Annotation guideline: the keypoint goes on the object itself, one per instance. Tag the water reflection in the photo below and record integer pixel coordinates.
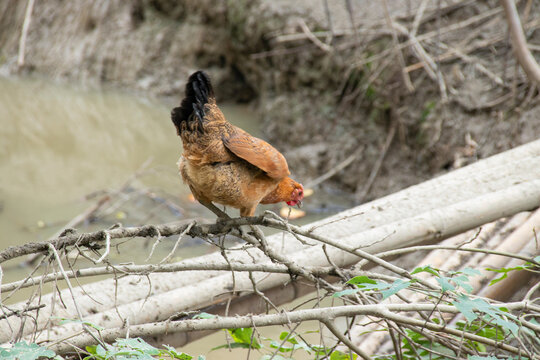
(59, 143)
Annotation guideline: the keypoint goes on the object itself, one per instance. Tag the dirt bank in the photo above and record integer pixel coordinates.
(326, 77)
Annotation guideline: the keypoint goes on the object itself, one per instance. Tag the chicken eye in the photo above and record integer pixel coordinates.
(300, 193)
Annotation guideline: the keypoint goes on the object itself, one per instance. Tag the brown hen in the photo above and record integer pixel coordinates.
(222, 163)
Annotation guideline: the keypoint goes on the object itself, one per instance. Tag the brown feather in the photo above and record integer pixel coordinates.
(258, 153)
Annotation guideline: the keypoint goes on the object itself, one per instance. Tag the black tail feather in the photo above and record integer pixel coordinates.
(198, 90)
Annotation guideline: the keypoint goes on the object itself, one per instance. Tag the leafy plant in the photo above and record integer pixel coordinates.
(242, 338)
(24, 351)
(284, 348)
(419, 345)
(505, 271)
(364, 283)
(135, 349)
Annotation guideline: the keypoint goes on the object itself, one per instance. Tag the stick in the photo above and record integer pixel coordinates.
(379, 162)
(19, 312)
(321, 314)
(24, 32)
(324, 47)
(329, 324)
(519, 42)
(431, 34)
(397, 49)
(66, 278)
(333, 171)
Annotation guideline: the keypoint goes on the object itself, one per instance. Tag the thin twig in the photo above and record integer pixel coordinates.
(79, 314)
(329, 324)
(334, 170)
(519, 42)
(188, 228)
(107, 246)
(324, 47)
(24, 32)
(397, 50)
(377, 166)
(20, 312)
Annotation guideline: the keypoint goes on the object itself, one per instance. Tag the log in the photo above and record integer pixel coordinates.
(463, 199)
(490, 238)
(519, 239)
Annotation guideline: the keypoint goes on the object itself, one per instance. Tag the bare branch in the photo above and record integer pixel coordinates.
(387, 311)
(519, 42)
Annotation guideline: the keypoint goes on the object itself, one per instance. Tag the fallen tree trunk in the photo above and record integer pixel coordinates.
(442, 207)
(521, 227)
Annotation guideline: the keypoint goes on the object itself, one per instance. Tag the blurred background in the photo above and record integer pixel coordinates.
(362, 97)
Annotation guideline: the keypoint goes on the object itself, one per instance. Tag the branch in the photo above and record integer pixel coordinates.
(20, 312)
(321, 314)
(399, 54)
(93, 239)
(24, 32)
(519, 42)
(455, 248)
(174, 267)
(444, 30)
(334, 330)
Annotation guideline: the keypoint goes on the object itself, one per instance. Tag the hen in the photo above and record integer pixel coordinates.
(222, 163)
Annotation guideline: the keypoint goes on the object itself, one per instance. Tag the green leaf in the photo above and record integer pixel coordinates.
(466, 307)
(358, 280)
(275, 357)
(346, 292)
(77, 321)
(288, 348)
(291, 338)
(363, 283)
(463, 282)
(175, 354)
(137, 344)
(234, 345)
(397, 285)
(426, 268)
(281, 348)
(471, 272)
(245, 336)
(101, 351)
(476, 357)
(91, 349)
(24, 351)
(184, 356)
(338, 355)
(482, 329)
(204, 315)
(505, 271)
(445, 284)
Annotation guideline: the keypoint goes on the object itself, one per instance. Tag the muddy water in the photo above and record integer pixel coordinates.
(59, 143)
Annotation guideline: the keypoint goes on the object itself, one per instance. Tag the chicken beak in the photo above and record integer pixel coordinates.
(299, 204)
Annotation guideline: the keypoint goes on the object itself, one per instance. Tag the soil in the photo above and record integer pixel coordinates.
(319, 101)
